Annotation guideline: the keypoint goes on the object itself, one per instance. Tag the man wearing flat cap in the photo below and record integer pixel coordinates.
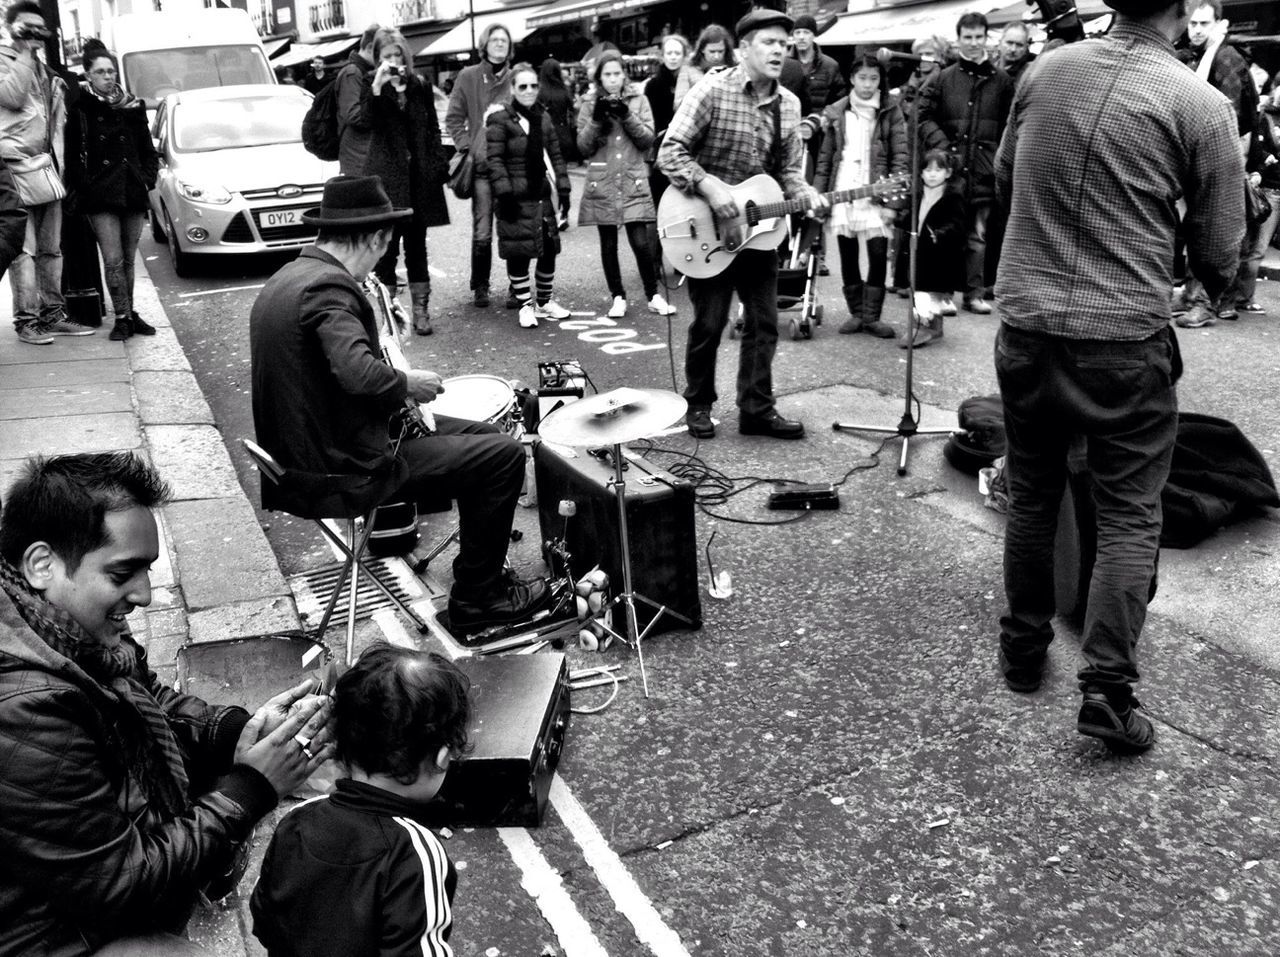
(325, 406)
(1085, 355)
(733, 125)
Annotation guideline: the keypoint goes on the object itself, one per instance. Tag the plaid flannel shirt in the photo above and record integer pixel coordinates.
(1104, 137)
(724, 129)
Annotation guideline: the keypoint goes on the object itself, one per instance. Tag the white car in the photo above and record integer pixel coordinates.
(234, 175)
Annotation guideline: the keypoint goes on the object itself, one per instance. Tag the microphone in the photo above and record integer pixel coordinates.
(884, 55)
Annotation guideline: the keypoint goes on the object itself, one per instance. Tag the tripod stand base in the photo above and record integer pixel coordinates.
(629, 599)
(906, 429)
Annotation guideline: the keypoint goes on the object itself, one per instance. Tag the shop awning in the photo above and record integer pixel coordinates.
(903, 24)
(302, 52)
(459, 38)
(1030, 13)
(570, 11)
(276, 45)
(419, 43)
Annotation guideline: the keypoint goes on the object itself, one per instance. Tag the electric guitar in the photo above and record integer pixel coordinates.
(701, 246)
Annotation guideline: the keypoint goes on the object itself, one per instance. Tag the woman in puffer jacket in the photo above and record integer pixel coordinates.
(615, 127)
(524, 161)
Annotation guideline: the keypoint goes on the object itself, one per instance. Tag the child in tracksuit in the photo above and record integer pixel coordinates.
(939, 248)
(356, 872)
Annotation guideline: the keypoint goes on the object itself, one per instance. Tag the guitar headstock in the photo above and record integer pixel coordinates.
(897, 186)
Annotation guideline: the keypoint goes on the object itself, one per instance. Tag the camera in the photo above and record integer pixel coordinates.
(27, 31)
(393, 70)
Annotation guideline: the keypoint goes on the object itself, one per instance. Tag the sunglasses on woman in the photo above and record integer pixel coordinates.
(526, 86)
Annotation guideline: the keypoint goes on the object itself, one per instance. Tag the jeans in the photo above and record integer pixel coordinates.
(118, 235)
(36, 274)
(413, 234)
(482, 211)
(975, 253)
(1120, 399)
(1255, 247)
(753, 274)
(483, 471)
(877, 260)
(639, 238)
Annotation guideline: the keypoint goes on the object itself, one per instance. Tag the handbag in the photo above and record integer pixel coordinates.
(37, 180)
(462, 174)
(1256, 205)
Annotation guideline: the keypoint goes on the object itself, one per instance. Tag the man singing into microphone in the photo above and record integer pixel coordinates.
(731, 126)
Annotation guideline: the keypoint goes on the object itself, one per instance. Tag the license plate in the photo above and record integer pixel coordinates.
(282, 217)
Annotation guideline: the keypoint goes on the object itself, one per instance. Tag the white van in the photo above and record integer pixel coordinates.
(163, 53)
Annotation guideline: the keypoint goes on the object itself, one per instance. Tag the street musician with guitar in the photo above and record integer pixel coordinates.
(338, 416)
(734, 125)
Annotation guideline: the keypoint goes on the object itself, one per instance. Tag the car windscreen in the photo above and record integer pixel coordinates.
(233, 124)
(154, 74)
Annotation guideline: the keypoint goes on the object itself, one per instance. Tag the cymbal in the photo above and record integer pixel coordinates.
(612, 418)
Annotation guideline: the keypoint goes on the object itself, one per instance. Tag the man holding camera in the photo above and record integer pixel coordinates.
(33, 112)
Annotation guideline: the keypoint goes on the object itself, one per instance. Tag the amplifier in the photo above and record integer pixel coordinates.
(519, 715)
(664, 559)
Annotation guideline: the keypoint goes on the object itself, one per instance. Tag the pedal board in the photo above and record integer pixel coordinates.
(805, 498)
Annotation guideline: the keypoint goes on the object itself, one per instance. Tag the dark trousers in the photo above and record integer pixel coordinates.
(412, 233)
(753, 275)
(877, 261)
(1120, 399)
(482, 470)
(639, 238)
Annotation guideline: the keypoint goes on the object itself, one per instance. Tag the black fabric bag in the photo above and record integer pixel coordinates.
(320, 134)
(1256, 205)
(462, 175)
(981, 440)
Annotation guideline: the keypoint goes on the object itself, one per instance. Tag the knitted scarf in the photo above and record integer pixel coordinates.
(150, 751)
(535, 166)
(117, 98)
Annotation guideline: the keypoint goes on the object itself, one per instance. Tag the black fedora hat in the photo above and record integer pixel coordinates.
(353, 201)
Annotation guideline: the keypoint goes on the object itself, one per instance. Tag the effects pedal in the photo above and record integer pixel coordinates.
(802, 498)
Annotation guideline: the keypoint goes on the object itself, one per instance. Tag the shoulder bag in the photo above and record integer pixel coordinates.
(37, 180)
(462, 174)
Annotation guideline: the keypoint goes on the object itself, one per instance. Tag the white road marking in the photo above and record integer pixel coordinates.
(216, 292)
(630, 901)
(542, 882)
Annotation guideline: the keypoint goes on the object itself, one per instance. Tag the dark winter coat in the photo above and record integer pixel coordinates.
(111, 160)
(617, 187)
(890, 151)
(826, 83)
(322, 396)
(964, 109)
(353, 126)
(87, 856)
(940, 247)
(558, 102)
(532, 231)
(475, 90)
(405, 148)
(13, 220)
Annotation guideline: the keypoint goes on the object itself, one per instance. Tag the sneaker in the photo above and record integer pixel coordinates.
(515, 601)
(1196, 317)
(660, 306)
(139, 326)
(65, 327)
(618, 308)
(528, 316)
(33, 334)
(948, 306)
(1115, 722)
(1251, 309)
(121, 331)
(1024, 677)
(977, 306)
(513, 301)
(481, 300)
(698, 424)
(553, 310)
(1228, 314)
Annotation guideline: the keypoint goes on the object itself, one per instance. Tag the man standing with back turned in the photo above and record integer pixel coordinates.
(1085, 350)
(731, 126)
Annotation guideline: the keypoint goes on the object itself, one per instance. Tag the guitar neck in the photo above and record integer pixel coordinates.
(789, 206)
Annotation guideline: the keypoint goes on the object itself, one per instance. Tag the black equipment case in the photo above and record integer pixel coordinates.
(664, 558)
(519, 715)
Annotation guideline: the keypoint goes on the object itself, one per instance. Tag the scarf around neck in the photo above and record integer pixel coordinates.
(149, 748)
(535, 166)
(117, 99)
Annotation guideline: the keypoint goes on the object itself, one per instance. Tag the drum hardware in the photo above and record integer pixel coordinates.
(480, 398)
(612, 418)
(560, 381)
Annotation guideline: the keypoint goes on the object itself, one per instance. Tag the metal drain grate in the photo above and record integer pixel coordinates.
(312, 589)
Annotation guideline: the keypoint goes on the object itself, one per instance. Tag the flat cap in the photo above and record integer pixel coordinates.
(759, 19)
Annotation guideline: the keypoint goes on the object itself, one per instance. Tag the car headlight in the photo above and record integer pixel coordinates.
(204, 193)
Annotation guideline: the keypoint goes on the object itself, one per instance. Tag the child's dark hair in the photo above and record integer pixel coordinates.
(939, 158)
(397, 707)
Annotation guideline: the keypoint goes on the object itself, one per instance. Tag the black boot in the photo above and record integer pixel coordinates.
(139, 326)
(852, 299)
(122, 330)
(872, 304)
(481, 266)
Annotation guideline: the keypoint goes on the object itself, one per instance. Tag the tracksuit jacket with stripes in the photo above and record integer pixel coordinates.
(354, 874)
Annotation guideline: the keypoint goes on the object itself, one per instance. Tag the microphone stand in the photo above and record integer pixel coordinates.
(907, 427)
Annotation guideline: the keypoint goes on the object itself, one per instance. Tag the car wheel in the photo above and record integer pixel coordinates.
(157, 231)
(181, 261)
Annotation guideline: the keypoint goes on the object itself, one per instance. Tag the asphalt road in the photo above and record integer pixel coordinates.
(831, 764)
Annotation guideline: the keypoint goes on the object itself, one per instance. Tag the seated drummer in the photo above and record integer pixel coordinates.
(325, 406)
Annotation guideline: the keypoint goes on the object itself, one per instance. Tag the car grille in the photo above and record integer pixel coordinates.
(238, 230)
(254, 194)
(293, 232)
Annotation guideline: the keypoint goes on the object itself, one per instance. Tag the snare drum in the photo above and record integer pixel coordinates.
(480, 398)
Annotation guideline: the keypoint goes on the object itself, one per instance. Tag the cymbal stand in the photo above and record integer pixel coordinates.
(907, 427)
(629, 596)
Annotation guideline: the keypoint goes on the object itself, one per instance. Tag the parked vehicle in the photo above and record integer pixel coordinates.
(163, 53)
(234, 176)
